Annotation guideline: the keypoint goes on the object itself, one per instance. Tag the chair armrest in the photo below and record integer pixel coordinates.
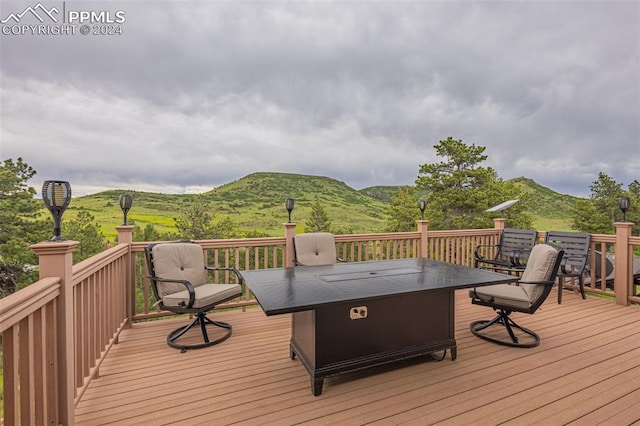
(577, 271)
(476, 250)
(338, 259)
(187, 284)
(546, 283)
(516, 255)
(578, 257)
(239, 276)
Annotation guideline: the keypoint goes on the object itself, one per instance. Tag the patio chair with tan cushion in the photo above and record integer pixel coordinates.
(526, 297)
(315, 248)
(179, 279)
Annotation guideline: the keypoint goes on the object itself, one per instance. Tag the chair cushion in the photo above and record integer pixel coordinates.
(503, 294)
(180, 261)
(539, 270)
(206, 294)
(315, 248)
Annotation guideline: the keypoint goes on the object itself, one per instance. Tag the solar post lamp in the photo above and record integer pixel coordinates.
(289, 203)
(624, 203)
(422, 205)
(56, 195)
(126, 201)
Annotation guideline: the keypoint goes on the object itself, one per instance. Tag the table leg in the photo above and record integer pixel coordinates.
(316, 386)
(454, 353)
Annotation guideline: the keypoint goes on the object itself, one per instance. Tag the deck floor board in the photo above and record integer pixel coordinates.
(584, 372)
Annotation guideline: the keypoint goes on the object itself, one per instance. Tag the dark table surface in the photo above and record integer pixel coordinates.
(286, 290)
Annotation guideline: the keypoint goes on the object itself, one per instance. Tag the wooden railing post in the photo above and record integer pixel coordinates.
(622, 263)
(125, 236)
(423, 229)
(289, 233)
(56, 260)
(498, 222)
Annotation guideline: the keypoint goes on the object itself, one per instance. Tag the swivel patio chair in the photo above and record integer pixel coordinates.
(510, 254)
(315, 248)
(533, 288)
(576, 247)
(179, 281)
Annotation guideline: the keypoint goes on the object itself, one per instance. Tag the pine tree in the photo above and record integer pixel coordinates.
(20, 225)
(84, 230)
(318, 221)
(403, 211)
(459, 190)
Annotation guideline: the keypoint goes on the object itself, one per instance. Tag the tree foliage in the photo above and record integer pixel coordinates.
(458, 190)
(195, 219)
(196, 222)
(84, 230)
(403, 210)
(148, 233)
(20, 225)
(587, 218)
(319, 220)
(604, 194)
(598, 214)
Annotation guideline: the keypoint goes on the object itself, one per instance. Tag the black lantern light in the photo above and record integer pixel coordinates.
(623, 203)
(289, 204)
(126, 200)
(422, 205)
(56, 195)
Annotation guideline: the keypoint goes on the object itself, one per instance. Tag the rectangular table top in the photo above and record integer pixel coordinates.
(301, 288)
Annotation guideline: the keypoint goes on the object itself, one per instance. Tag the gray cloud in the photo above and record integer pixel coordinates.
(194, 94)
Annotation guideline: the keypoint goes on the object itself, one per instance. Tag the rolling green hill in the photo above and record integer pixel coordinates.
(549, 209)
(382, 193)
(256, 202)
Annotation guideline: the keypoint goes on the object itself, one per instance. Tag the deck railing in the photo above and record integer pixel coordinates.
(57, 331)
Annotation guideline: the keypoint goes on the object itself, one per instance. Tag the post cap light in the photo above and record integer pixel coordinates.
(289, 203)
(56, 195)
(126, 201)
(422, 205)
(624, 203)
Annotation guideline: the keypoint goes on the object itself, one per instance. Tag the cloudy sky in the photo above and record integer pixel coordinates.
(195, 94)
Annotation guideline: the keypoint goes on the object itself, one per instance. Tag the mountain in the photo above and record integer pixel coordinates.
(550, 210)
(259, 199)
(257, 202)
(254, 202)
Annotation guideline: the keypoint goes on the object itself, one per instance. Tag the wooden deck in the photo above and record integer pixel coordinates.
(586, 371)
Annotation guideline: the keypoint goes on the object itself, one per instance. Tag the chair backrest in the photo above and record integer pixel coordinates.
(576, 247)
(315, 248)
(540, 273)
(516, 242)
(175, 261)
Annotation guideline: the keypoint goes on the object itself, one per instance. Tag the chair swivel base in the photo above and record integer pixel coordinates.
(202, 321)
(502, 319)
